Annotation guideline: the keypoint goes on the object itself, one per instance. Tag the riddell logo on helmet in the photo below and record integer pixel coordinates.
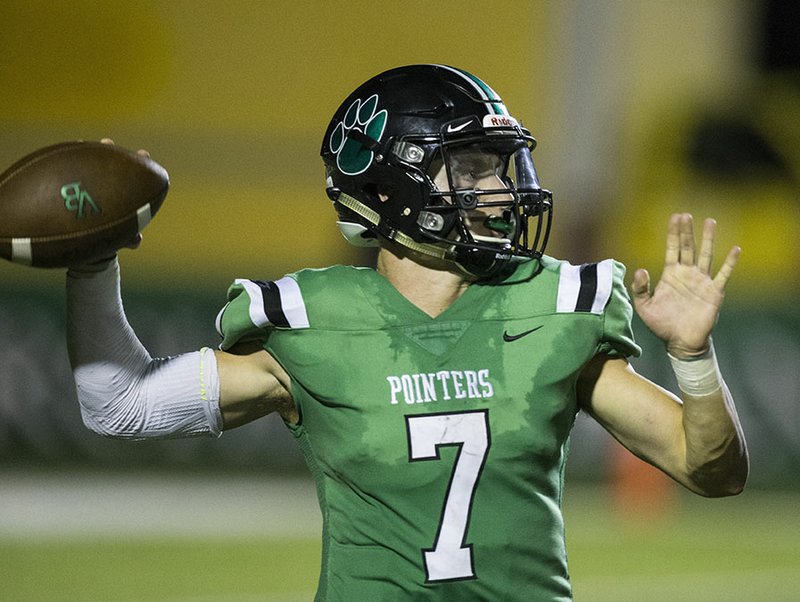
(499, 121)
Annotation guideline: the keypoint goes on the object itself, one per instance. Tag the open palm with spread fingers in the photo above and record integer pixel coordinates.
(684, 306)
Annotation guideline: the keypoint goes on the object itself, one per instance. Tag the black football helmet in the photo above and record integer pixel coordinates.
(391, 137)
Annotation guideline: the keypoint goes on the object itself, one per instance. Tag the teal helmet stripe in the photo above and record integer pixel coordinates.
(483, 89)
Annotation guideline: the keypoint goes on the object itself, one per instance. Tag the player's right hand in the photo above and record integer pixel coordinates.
(101, 264)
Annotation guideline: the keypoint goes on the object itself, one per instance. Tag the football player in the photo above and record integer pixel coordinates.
(433, 396)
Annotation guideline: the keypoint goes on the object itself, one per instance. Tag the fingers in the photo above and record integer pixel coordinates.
(673, 240)
(640, 287)
(141, 152)
(134, 242)
(681, 245)
(706, 256)
(726, 271)
(681, 248)
(680, 240)
(686, 239)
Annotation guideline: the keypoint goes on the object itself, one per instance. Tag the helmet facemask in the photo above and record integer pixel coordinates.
(486, 202)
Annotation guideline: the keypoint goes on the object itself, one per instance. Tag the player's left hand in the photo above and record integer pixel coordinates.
(683, 308)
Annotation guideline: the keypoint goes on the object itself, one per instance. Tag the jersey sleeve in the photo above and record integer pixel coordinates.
(617, 339)
(256, 307)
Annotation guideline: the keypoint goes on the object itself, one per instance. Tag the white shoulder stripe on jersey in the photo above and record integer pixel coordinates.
(569, 284)
(578, 285)
(256, 310)
(288, 302)
(294, 308)
(605, 279)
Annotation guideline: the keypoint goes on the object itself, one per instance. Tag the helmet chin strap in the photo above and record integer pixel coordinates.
(374, 218)
(403, 239)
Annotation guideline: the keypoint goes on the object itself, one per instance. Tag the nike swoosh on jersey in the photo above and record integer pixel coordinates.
(513, 337)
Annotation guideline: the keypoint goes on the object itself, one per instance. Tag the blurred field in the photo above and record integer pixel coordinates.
(239, 539)
(706, 550)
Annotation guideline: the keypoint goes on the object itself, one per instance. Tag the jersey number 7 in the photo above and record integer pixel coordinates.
(451, 556)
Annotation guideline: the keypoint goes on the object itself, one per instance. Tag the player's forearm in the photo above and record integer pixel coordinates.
(97, 328)
(716, 453)
(123, 392)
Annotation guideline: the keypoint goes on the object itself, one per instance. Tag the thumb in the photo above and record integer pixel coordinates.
(640, 287)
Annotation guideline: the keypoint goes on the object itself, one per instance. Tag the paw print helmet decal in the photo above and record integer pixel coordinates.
(353, 157)
(429, 157)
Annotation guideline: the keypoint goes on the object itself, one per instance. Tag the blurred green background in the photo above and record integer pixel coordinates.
(640, 107)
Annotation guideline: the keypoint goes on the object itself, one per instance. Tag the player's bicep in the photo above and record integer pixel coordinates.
(252, 384)
(642, 416)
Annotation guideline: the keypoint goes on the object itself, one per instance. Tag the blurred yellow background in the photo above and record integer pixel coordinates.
(233, 99)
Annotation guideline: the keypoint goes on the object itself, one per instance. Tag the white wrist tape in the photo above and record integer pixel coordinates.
(123, 392)
(700, 376)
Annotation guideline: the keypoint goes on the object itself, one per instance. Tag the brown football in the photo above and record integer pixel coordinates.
(76, 202)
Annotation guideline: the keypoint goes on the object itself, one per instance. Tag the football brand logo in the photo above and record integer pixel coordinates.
(351, 156)
(76, 199)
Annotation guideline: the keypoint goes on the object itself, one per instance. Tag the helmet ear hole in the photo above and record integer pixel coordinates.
(371, 189)
(384, 191)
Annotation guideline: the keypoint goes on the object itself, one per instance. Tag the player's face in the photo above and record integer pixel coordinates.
(477, 169)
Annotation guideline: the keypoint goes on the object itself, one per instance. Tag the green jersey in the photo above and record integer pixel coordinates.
(437, 444)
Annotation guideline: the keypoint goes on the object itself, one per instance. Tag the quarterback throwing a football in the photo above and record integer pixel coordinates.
(433, 397)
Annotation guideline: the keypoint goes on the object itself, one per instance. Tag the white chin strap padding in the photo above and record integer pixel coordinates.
(354, 234)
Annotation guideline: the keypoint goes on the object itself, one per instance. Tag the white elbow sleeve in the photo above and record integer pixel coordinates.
(123, 392)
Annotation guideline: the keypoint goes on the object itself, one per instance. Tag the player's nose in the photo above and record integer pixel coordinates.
(498, 187)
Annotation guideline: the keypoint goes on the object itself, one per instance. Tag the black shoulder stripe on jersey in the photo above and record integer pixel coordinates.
(588, 289)
(585, 288)
(273, 308)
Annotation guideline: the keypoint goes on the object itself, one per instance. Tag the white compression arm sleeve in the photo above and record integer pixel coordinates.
(123, 391)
